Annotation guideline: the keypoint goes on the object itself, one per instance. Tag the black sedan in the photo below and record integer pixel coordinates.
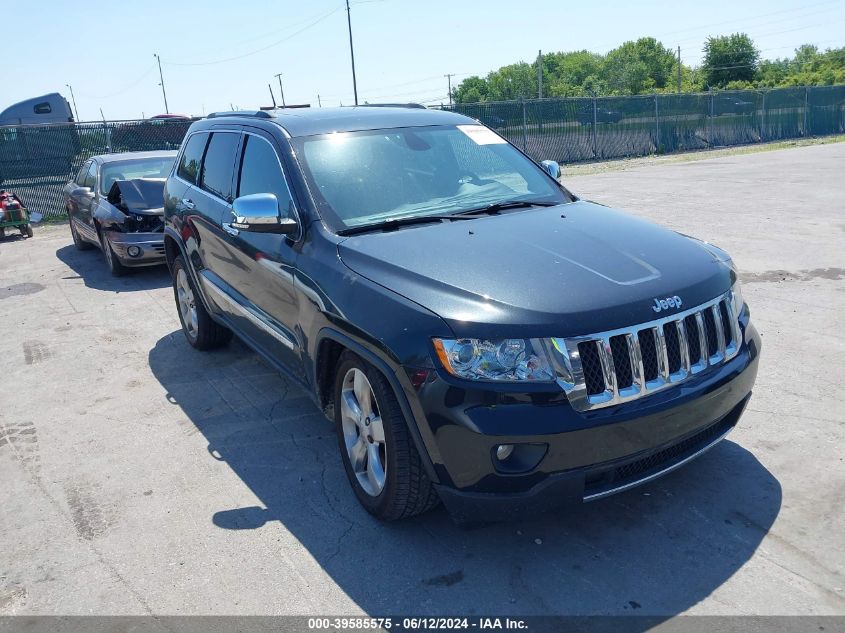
(116, 202)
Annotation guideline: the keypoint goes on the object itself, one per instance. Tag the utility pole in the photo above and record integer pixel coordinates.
(352, 52)
(72, 98)
(449, 80)
(679, 70)
(161, 77)
(540, 73)
(281, 90)
(271, 95)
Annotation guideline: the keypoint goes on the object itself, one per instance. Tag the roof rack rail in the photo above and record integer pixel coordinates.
(417, 106)
(258, 114)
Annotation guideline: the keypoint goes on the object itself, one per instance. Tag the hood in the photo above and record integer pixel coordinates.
(140, 195)
(567, 270)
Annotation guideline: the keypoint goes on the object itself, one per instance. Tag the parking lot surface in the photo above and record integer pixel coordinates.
(139, 476)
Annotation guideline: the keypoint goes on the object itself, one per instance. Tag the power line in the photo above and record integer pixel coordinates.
(134, 83)
(751, 17)
(259, 50)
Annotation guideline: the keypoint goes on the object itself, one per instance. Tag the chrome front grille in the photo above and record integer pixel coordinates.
(607, 368)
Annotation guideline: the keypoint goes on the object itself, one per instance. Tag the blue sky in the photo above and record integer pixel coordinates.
(402, 48)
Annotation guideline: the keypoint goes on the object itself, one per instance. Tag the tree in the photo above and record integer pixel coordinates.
(729, 58)
(470, 90)
(565, 74)
(517, 81)
(637, 67)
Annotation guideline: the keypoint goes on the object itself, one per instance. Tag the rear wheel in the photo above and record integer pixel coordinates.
(202, 332)
(27, 230)
(379, 456)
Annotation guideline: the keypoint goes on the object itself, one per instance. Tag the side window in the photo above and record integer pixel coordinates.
(189, 163)
(261, 172)
(219, 164)
(80, 177)
(90, 180)
(42, 108)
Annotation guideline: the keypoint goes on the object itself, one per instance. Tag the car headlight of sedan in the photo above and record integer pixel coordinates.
(505, 360)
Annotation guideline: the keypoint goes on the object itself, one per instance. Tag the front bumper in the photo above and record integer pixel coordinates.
(579, 456)
(150, 248)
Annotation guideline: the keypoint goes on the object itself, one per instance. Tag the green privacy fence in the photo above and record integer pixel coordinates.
(37, 160)
(580, 129)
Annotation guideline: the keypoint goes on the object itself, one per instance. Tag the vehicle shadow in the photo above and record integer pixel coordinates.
(90, 266)
(657, 550)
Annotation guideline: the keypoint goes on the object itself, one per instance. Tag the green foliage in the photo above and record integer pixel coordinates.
(729, 58)
(639, 67)
(517, 81)
(646, 66)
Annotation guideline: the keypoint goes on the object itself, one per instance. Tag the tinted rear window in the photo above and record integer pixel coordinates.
(219, 163)
(189, 164)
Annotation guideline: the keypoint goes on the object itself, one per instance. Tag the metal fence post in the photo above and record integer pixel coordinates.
(524, 128)
(710, 135)
(806, 110)
(763, 119)
(595, 123)
(656, 126)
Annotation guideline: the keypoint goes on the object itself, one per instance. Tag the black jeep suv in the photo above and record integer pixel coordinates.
(479, 334)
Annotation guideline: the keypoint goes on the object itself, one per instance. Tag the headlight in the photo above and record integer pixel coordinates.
(510, 359)
(737, 302)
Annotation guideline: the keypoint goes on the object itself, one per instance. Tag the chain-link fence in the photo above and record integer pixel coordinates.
(36, 161)
(584, 128)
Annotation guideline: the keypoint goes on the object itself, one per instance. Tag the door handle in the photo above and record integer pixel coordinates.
(231, 230)
(188, 204)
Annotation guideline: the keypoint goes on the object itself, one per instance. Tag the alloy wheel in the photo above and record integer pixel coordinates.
(363, 432)
(187, 303)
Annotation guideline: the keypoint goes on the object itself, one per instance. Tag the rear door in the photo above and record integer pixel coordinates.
(209, 198)
(180, 191)
(85, 199)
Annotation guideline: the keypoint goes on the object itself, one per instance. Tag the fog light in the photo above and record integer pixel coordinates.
(134, 251)
(503, 451)
(513, 459)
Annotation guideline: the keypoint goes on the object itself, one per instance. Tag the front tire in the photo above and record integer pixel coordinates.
(378, 453)
(116, 267)
(202, 332)
(78, 242)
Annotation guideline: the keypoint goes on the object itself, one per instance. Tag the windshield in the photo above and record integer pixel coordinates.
(158, 167)
(362, 178)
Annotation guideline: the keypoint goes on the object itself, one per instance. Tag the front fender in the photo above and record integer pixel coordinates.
(401, 386)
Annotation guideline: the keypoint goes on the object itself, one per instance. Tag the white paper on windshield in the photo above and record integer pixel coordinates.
(481, 135)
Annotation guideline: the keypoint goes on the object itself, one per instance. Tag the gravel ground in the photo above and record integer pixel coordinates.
(139, 476)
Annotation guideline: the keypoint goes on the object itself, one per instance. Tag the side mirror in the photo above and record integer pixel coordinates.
(80, 191)
(552, 168)
(259, 213)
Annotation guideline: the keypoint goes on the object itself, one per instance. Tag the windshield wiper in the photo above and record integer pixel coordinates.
(495, 207)
(394, 223)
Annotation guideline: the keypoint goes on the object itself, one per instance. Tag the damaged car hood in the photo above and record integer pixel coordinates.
(139, 195)
(566, 270)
